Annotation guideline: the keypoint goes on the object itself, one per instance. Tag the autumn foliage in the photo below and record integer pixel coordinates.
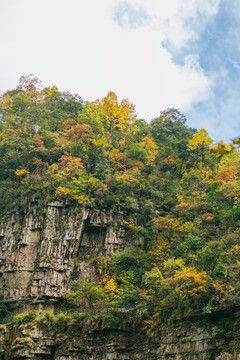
(178, 195)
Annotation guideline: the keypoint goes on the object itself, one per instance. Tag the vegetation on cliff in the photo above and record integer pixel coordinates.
(181, 196)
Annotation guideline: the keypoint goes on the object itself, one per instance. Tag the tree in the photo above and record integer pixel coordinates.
(117, 117)
(172, 135)
(30, 85)
(200, 142)
(170, 128)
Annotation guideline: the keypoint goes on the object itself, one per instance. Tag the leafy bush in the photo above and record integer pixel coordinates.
(26, 318)
(130, 259)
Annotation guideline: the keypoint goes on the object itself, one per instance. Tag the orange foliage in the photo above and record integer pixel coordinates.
(38, 143)
(118, 159)
(12, 132)
(227, 175)
(78, 132)
(208, 216)
(169, 161)
(69, 123)
(69, 163)
(61, 142)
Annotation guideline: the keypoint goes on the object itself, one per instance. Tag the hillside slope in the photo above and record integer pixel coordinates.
(101, 212)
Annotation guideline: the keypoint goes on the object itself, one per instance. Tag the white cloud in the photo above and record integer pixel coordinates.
(190, 8)
(169, 17)
(130, 16)
(77, 46)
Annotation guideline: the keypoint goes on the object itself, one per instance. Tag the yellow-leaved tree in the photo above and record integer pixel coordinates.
(117, 116)
(200, 142)
(149, 144)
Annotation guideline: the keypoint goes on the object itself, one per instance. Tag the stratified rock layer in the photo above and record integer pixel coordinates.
(40, 253)
(126, 341)
(42, 250)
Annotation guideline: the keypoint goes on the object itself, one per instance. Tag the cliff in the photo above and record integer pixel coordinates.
(40, 253)
(70, 338)
(42, 250)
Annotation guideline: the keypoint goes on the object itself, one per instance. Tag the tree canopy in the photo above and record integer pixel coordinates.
(179, 191)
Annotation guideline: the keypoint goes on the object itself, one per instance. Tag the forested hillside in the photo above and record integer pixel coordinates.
(180, 194)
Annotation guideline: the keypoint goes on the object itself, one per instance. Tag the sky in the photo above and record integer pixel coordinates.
(159, 54)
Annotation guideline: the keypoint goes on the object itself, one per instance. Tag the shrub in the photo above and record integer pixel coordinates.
(26, 318)
(132, 259)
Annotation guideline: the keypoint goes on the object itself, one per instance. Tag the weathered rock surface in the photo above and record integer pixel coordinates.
(120, 342)
(39, 253)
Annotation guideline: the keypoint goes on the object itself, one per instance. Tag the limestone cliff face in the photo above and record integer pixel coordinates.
(40, 253)
(126, 341)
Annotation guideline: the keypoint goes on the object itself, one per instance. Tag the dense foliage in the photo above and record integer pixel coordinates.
(179, 191)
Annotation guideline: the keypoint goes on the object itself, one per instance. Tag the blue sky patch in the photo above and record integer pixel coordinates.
(196, 68)
(218, 49)
(129, 16)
